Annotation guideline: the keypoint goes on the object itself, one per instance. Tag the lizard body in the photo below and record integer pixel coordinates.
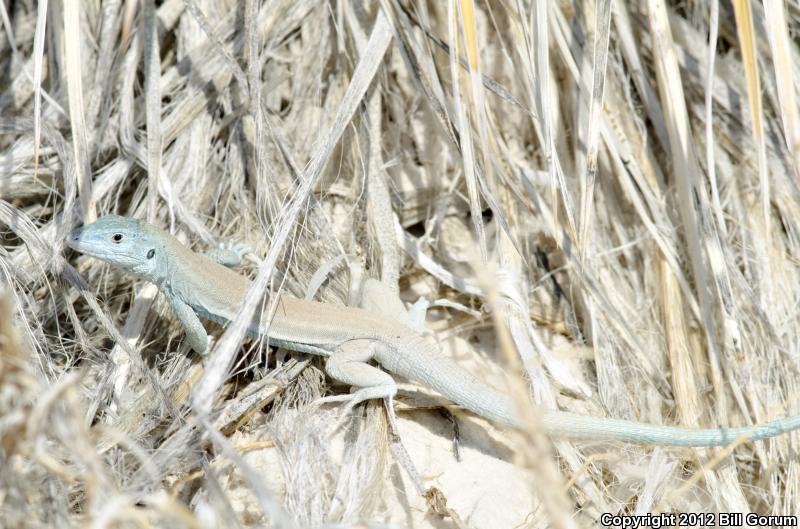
(196, 285)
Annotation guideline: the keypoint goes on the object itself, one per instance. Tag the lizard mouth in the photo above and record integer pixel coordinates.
(74, 239)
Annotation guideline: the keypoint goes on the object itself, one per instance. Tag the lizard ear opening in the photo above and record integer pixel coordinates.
(151, 253)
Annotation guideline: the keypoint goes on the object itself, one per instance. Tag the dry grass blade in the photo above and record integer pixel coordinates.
(589, 173)
(74, 73)
(38, 56)
(465, 128)
(152, 90)
(687, 175)
(782, 60)
(747, 42)
(713, 22)
(201, 18)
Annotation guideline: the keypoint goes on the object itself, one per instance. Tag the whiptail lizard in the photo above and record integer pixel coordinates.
(197, 286)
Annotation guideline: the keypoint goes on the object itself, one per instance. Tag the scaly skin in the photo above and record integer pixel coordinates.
(196, 286)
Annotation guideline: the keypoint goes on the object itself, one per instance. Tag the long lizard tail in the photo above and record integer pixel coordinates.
(566, 424)
(421, 362)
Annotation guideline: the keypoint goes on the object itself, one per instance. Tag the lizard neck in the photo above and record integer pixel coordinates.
(213, 290)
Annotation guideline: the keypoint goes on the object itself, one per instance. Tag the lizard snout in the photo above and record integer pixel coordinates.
(74, 237)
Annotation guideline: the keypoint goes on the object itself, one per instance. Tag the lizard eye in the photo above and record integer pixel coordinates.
(151, 253)
(117, 237)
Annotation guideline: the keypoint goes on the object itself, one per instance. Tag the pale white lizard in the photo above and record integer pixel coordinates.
(198, 285)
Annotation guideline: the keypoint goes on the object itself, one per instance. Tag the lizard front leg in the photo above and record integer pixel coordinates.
(348, 364)
(195, 331)
(229, 256)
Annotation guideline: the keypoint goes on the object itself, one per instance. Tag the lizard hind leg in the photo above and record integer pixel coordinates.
(348, 364)
(377, 297)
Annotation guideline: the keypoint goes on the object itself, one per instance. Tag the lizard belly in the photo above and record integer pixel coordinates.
(223, 316)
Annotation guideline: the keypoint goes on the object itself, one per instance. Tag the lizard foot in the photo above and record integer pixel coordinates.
(228, 254)
(356, 398)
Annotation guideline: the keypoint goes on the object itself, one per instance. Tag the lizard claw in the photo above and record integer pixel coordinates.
(353, 400)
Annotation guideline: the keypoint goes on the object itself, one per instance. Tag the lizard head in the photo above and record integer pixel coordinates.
(123, 242)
